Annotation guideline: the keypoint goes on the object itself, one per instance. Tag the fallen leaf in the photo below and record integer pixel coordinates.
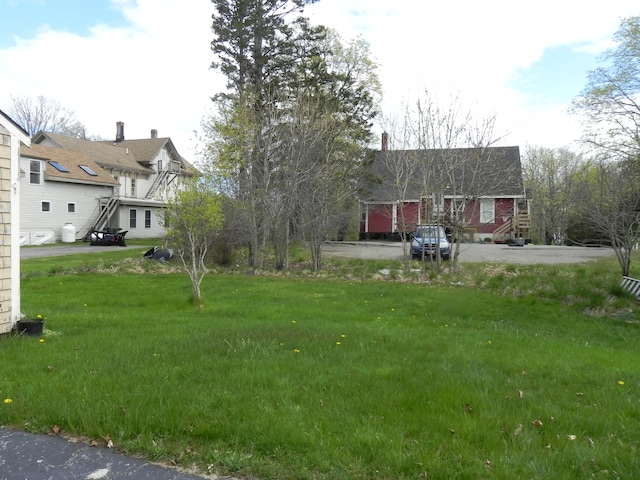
(571, 437)
(55, 430)
(536, 423)
(94, 443)
(467, 408)
(580, 394)
(518, 430)
(107, 441)
(520, 394)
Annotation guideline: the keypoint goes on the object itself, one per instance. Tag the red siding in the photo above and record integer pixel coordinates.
(379, 218)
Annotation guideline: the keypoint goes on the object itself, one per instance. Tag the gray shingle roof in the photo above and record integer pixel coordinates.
(471, 172)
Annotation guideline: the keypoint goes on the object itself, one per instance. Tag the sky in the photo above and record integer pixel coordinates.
(147, 62)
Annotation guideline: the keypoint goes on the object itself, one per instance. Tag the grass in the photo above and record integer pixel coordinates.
(494, 372)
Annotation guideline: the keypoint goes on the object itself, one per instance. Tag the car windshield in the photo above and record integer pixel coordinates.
(430, 232)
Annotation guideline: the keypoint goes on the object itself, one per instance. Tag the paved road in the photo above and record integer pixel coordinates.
(69, 249)
(474, 252)
(469, 252)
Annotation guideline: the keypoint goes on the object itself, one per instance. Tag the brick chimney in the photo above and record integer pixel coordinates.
(154, 133)
(385, 141)
(119, 132)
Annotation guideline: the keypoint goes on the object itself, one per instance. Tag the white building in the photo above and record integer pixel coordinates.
(92, 185)
(11, 137)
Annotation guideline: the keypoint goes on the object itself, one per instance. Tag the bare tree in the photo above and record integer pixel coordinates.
(550, 180)
(460, 163)
(45, 114)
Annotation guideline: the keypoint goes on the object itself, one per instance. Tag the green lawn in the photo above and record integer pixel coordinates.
(506, 372)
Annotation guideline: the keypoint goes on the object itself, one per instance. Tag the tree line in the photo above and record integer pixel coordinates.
(286, 146)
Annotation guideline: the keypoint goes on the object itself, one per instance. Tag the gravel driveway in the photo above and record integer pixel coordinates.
(473, 252)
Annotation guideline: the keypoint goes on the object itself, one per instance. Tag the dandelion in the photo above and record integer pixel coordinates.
(293, 321)
(39, 317)
(41, 340)
(488, 342)
(343, 336)
(295, 350)
(338, 343)
(7, 401)
(620, 382)
(85, 305)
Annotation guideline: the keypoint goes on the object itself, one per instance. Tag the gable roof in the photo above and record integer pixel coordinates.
(146, 149)
(127, 155)
(477, 172)
(14, 128)
(104, 154)
(71, 161)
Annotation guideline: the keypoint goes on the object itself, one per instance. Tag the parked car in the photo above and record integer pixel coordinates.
(426, 239)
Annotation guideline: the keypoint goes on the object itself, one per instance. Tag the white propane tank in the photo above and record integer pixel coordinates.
(68, 233)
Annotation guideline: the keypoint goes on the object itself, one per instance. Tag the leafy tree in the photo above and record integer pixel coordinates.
(45, 114)
(610, 101)
(299, 105)
(193, 219)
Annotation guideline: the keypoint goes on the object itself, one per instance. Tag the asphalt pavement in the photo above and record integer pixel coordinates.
(59, 250)
(28, 456)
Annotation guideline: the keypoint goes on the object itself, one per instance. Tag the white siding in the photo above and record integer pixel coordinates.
(59, 195)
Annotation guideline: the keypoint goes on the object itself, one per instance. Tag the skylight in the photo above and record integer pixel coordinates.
(58, 167)
(88, 170)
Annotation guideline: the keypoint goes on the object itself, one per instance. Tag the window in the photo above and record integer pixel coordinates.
(5, 140)
(487, 210)
(458, 205)
(132, 218)
(88, 170)
(147, 219)
(71, 208)
(46, 206)
(57, 166)
(133, 187)
(35, 172)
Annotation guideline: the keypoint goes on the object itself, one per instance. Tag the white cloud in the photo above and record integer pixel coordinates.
(155, 73)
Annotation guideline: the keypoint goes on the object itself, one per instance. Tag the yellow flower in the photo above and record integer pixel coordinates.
(7, 401)
(39, 317)
(41, 340)
(293, 321)
(620, 382)
(343, 336)
(295, 350)
(338, 343)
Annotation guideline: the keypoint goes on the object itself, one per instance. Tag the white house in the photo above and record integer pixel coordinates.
(91, 185)
(11, 136)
